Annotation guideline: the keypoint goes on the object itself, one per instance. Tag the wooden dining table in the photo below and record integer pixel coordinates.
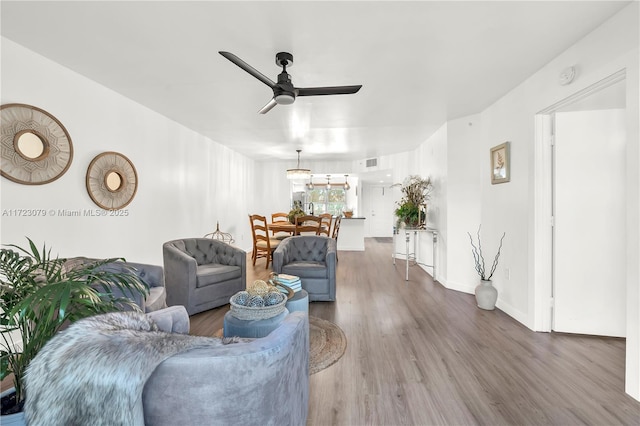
(282, 226)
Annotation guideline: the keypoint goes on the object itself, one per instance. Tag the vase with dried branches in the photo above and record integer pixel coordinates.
(486, 293)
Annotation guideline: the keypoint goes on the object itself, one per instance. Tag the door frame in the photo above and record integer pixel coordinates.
(541, 293)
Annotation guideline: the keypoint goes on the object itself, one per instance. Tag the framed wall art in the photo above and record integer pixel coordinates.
(500, 163)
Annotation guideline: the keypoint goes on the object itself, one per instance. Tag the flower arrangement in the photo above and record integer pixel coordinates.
(295, 212)
(478, 257)
(416, 191)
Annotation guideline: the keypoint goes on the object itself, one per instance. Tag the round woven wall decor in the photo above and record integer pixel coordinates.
(112, 180)
(36, 148)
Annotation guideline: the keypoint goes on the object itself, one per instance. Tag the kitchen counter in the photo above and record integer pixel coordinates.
(351, 234)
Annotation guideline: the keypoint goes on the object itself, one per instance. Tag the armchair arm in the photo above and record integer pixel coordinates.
(151, 274)
(173, 319)
(278, 259)
(331, 257)
(180, 274)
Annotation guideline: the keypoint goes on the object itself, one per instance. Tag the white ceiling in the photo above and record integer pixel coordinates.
(420, 62)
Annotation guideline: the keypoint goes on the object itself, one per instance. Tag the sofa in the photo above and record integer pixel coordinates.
(152, 275)
(313, 259)
(202, 273)
(163, 377)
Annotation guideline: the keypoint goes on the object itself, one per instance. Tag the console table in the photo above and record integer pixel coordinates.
(412, 256)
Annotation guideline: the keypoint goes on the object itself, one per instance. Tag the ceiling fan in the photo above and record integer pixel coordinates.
(284, 93)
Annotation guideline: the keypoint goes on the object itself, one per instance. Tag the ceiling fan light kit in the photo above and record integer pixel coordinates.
(284, 99)
(284, 92)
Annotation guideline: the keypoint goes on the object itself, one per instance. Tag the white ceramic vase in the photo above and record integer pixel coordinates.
(486, 295)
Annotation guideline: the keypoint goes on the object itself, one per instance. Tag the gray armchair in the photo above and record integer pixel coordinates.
(165, 378)
(313, 259)
(202, 274)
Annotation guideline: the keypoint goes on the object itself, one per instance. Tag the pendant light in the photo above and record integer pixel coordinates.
(346, 183)
(298, 173)
(328, 182)
(310, 183)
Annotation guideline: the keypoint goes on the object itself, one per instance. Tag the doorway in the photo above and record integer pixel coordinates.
(378, 206)
(587, 205)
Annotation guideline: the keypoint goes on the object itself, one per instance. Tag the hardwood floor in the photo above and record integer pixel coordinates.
(419, 354)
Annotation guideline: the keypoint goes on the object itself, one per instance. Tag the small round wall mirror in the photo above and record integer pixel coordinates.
(113, 181)
(31, 146)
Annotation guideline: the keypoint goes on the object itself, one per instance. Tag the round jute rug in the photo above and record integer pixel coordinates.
(327, 344)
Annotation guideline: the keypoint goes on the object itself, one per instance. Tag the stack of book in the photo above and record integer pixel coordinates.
(290, 281)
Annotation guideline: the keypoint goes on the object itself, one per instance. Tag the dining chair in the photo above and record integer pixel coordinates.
(336, 229)
(308, 225)
(280, 217)
(263, 245)
(325, 227)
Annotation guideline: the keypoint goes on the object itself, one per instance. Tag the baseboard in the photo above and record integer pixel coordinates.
(351, 248)
(464, 288)
(514, 313)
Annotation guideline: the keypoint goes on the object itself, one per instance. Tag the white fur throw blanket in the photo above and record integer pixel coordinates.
(93, 373)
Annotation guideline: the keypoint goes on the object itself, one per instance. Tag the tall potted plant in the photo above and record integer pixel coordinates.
(39, 295)
(416, 191)
(486, 293)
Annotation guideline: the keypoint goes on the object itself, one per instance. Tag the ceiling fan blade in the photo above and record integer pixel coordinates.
(248, 68)
(333, 90)
(269, 106)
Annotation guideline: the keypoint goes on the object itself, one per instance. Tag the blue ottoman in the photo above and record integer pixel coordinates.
(251, 328)
(299, 302)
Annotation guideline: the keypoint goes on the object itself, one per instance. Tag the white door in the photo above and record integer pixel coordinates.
(378, 206)
(589, 280)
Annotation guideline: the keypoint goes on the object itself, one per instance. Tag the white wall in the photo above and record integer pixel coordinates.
(464, 177)
(186, 181)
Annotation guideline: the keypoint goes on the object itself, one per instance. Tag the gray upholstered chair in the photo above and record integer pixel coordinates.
(261, 382)
(313, 259)
(202, 274)
(169, 378)
(153, 275)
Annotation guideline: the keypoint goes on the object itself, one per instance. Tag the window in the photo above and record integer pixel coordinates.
(327, 200)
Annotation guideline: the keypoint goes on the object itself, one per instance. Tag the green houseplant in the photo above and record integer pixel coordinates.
(486, 293)
(40, 295)
(416, 191)
(294, 213)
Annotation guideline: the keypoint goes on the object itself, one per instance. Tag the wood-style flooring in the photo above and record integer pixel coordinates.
(419, 354)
